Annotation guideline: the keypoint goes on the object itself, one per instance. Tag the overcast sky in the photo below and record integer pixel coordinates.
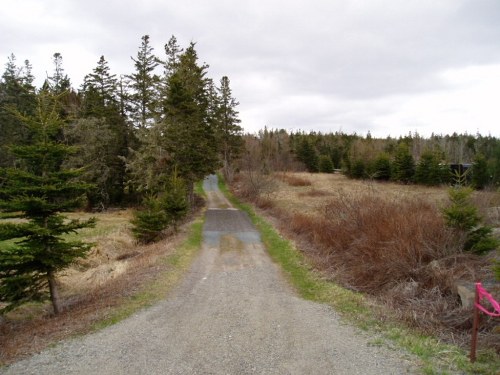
(384, 66)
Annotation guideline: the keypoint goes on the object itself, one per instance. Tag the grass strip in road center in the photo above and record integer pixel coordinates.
(436, 357)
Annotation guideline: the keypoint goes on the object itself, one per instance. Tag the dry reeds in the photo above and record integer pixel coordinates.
(314, 193)
(294, 180)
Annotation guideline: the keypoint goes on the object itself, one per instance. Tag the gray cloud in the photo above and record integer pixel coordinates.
(324, 64)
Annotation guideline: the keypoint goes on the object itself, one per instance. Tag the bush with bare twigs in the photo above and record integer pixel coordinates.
(293, 180)
(400, 251)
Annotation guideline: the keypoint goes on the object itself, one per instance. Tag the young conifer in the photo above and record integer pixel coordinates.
(37, 191)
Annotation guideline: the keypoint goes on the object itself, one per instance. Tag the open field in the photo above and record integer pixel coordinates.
(386, 240)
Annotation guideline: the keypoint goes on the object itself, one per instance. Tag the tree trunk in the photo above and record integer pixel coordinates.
(54, 293)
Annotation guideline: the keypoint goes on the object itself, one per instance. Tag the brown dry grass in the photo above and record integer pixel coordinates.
(387, 240)
(294, 180)
(91, 290)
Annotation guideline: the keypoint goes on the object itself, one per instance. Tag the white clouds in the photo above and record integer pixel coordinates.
(379, 65)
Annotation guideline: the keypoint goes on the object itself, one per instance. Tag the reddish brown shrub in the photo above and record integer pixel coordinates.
(314, 193)
(295, 180)
(399, 251)
(264, 203)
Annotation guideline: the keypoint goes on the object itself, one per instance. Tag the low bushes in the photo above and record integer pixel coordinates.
(399, 250)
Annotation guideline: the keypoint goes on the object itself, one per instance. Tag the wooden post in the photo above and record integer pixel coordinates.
(475, 328)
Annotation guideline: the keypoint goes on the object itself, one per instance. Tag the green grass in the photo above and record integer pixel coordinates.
(435, 357)
(178, 261)
(198, 189)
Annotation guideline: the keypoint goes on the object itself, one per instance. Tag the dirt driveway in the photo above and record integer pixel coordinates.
(233, 314)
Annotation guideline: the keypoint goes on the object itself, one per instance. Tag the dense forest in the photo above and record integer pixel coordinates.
(131, 131)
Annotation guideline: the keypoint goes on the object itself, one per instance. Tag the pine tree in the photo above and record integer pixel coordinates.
(101, 103)
(150, 221)
(480, 176)
(174, 200)
(429, 170)
(189, 136)
(38, 191)
(144, 85)
(59, 82)
(100, 92)
(464, 217)
(382, 167)
(325, 164)
(171, 63)
(17, 93)
(227, 124)
(307, 155)
(403, 165)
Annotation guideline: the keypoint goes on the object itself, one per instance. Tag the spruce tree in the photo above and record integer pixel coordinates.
(429, 170)
(38, 191)
(17, 93)
(59, 82)
(382, 167)
(325, 164)
(307, 154)
(101, 103)
(480, 176)
(144, 85)
(403, 164)
(463, 216)
(227, 123)
(189, 135)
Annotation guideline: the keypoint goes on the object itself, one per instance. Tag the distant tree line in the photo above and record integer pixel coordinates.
(435, 160)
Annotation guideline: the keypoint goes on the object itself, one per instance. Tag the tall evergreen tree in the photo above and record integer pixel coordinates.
(101, 102)
(17, 93)
(144, 84)
(38, 191)
(59, 82)
(189, 135)
(100, 92)
(227, 124)
(171, 63)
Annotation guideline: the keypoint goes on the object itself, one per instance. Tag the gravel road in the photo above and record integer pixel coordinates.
(233, 314)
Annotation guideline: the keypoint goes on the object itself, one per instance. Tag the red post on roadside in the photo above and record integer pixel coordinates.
(475, 328)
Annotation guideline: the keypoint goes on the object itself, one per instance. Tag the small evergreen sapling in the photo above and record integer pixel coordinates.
(37, 191)
(462, 215)
(150, 221)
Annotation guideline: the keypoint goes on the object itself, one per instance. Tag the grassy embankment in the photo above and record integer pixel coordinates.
(435, 357)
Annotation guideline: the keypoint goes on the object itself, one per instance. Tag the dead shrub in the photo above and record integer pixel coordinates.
(264, 203)
(254, 184)
(314, 193)
(397, 250)
(294, 180)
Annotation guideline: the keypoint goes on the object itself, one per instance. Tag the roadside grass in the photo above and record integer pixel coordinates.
(178, 262)
(117, 279)
(435, 357)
